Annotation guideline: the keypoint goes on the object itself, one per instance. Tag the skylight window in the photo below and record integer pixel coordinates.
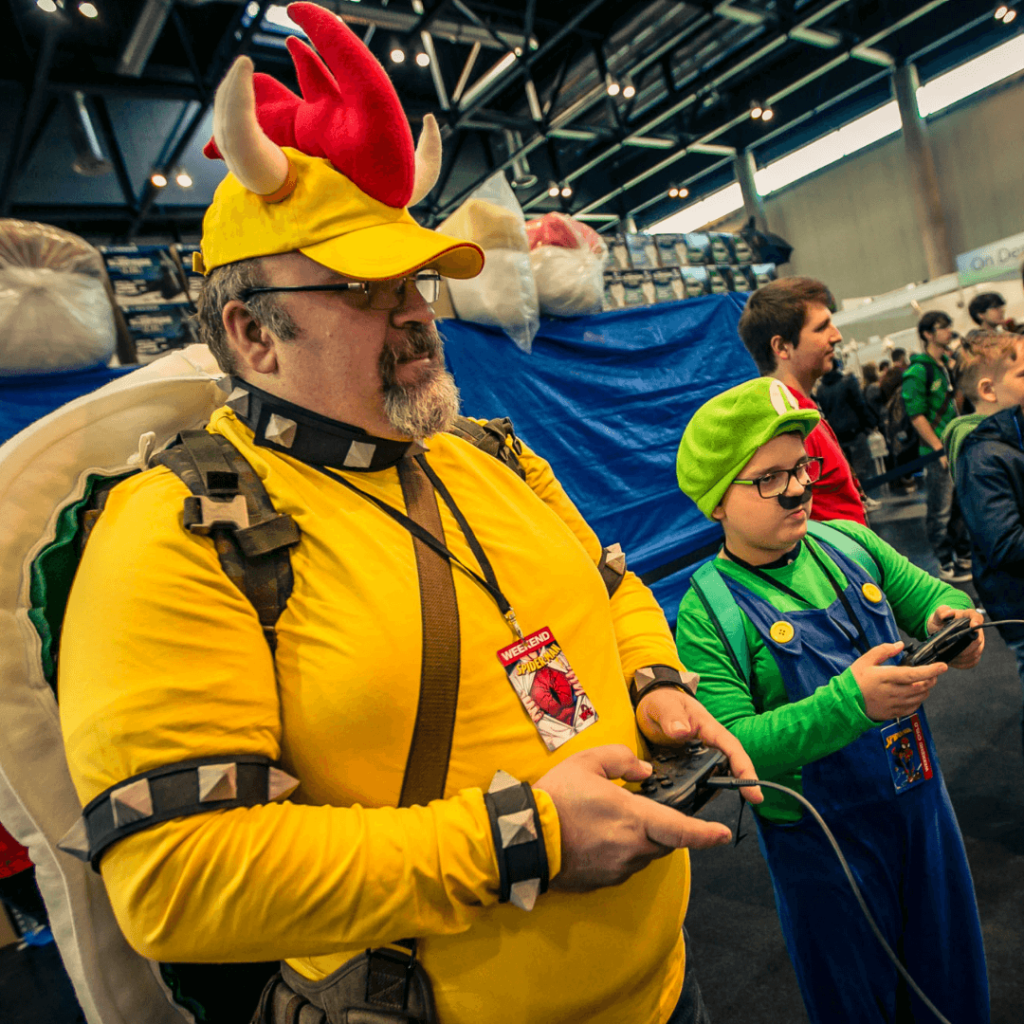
(972, 77)
(938, 94)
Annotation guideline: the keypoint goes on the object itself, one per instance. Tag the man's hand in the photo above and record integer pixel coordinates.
(943, 615)
(892, 691)
(670, 717)
(609, 833)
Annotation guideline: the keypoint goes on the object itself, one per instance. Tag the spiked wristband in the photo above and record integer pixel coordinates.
(652, 677)
(518, 841)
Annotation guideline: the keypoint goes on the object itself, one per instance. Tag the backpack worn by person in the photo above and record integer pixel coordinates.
(55, 477)
(724, 612)
(900, 433)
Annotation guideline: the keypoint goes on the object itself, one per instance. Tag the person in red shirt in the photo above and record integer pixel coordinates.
(787, 328)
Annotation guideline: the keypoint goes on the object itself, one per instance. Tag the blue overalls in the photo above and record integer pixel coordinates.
(905, 850)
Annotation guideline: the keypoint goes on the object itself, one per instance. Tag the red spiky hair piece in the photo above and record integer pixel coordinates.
(349, 111)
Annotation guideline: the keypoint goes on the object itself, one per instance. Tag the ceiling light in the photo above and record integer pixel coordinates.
(1001, 11)
(553, 190)
(158, 180)
(767, 114)
(47, 5)
(674, 192)
(628, 88)
(1009, 16)
(397, 55)
(183, 178)
(88, 10)
(610, 85)
(423, 60)
(566, 190)
(756, 110)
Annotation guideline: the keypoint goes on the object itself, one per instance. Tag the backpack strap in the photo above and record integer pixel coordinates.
(848, 546)
(230, 504)
(725, 615)
(497, 437)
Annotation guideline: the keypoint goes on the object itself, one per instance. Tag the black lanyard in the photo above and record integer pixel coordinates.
(860, 641)
(489, 581)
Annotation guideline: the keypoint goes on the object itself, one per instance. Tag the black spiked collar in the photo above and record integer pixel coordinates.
(310, 437)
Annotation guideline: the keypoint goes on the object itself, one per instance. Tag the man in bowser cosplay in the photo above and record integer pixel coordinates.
(431, 584)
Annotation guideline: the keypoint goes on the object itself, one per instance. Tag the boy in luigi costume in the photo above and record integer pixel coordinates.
(821, 704)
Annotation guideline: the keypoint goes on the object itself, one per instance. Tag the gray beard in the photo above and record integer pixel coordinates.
(428, 406)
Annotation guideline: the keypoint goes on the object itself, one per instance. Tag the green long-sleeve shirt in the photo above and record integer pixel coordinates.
(781, 736)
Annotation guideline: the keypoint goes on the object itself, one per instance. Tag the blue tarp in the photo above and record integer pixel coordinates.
(605, 399)
(29, 397)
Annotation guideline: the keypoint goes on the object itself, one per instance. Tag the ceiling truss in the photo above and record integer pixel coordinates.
(518, 87)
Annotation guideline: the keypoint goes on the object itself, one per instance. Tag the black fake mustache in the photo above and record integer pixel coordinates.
(790, 502)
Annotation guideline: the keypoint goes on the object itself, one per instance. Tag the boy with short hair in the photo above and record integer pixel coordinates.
(986, 458)
(814, 708)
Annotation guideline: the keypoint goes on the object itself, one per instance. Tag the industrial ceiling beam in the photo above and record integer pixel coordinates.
(650, 124)
(116, 156)
(234, 42)
(35, 100)
(740, 118)
(141, 42)
(407, 23)
(876, 38)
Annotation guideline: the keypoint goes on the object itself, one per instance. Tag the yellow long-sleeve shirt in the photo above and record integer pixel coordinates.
(163, 660)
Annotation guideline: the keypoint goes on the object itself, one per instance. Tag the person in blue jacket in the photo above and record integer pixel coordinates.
(986, 458)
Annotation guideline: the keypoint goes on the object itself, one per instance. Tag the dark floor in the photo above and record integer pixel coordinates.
(736, 944)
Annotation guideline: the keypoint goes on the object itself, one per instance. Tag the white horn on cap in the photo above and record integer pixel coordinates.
(259, 164)
(428, 159)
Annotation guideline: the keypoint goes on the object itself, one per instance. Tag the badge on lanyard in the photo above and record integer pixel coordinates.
(544, 681)
(909, 763)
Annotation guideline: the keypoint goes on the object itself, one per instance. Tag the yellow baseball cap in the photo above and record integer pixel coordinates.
(331, 220)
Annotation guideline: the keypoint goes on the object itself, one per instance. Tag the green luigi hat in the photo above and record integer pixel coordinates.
(726, 431)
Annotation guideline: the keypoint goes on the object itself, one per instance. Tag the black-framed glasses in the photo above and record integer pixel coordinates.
(387, 294)
(807, 471)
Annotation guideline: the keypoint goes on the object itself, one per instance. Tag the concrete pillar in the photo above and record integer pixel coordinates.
(924, 180)
(753, 204)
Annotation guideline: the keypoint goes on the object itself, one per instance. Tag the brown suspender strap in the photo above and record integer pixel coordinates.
(427, 766)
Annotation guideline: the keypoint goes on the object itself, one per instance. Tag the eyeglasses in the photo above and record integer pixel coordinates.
(387, 294)
(807, 471)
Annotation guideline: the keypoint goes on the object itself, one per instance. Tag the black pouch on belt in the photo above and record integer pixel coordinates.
(380, 986)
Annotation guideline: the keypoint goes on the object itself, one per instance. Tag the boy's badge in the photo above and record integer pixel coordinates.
(906, 752)
(544, 681)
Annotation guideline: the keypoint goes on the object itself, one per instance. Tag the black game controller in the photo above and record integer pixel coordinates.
(953, 639)
(680, 774)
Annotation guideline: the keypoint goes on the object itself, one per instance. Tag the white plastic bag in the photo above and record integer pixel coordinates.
(54, 310)
(504, 294)
(568, 265)
(52, 320)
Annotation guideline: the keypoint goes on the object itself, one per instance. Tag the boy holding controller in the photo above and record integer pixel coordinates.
(809, 680)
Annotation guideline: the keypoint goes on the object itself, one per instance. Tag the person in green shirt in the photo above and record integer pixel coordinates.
(827, 709)
(928, 397)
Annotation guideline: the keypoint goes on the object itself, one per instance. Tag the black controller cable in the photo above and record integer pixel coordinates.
(725, 782)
